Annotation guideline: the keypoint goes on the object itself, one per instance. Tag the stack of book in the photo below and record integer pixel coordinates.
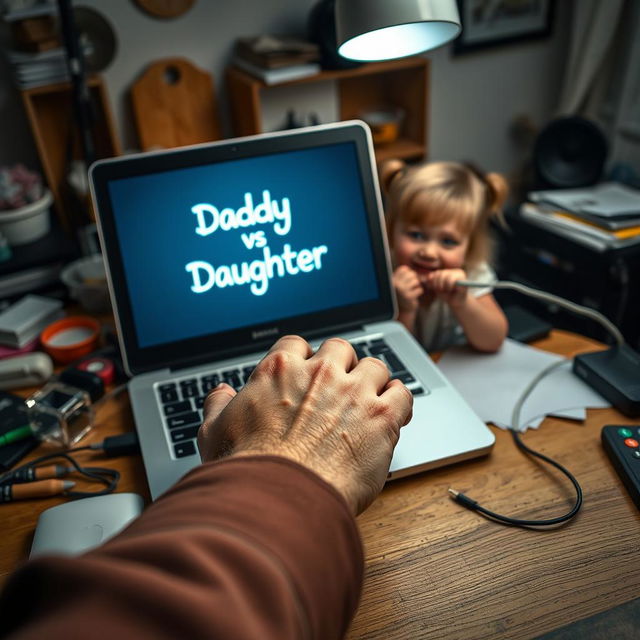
(39, 69)
(275, 59)
(605, 216)
(36, 55)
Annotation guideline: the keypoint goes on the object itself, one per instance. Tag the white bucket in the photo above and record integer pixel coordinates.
(27, 223)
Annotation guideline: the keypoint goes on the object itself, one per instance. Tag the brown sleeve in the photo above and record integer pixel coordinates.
(253, 547)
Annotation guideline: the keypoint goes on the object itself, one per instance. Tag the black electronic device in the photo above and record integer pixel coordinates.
(86, 380)
(615, 374)
(525, 326)
(13, 414)
(622, 444)
(601, 280)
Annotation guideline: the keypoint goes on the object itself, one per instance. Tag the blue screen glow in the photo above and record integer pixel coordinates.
(222, 246)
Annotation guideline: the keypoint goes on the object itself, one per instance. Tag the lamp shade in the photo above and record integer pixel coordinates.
(370, 30)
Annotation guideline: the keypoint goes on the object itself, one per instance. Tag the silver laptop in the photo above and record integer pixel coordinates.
(214, 251)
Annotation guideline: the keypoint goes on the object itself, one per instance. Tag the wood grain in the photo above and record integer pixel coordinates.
(174, 104)
(437, 570)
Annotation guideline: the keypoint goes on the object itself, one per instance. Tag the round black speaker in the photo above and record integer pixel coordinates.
(570, 152)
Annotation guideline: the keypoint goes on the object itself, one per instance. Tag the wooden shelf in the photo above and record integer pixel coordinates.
(394, 83)
(50, 112)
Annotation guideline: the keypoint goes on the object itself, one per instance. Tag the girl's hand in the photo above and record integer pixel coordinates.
(443, 283)
(408, 288)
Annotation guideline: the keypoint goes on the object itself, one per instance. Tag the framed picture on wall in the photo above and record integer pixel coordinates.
(489, 23)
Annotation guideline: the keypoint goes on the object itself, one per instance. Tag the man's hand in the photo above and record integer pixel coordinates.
(337, 416)
(408, 288)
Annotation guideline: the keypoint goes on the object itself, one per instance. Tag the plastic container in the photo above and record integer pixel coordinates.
(87, 283)
(28, 223)
(384, 124)
(71, 338)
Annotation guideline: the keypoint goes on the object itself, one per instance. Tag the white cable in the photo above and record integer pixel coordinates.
(515, 415)
(549, 297)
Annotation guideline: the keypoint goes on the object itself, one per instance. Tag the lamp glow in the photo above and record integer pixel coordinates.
(370, 30)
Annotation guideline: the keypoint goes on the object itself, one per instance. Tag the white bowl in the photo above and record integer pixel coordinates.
(87, 283)
(28, 223)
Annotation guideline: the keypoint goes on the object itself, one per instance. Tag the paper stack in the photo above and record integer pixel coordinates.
(492, 383)
(604, 216)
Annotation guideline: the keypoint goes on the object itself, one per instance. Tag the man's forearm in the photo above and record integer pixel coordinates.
(244, 548)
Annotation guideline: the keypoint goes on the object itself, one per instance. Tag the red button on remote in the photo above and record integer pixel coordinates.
(630, 442)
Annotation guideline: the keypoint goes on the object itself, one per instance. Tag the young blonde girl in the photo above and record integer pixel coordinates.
(437, 220)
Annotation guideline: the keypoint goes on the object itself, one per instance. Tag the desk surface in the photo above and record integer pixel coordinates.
(437, 570)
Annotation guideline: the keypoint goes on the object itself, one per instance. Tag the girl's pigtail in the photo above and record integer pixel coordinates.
(389, 171)
(498, 190)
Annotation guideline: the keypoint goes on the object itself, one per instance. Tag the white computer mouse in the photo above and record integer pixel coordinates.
(80, 525)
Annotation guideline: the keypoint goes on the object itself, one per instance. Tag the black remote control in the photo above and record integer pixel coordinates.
(622, 444)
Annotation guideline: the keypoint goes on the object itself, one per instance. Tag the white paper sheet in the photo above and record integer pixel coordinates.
(492, 384)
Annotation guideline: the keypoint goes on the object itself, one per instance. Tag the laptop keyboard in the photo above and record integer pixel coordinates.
(182, 399)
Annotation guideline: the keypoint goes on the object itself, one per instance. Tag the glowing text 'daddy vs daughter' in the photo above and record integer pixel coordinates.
(437, 219)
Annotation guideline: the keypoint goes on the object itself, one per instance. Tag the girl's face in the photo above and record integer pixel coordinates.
(425, 248)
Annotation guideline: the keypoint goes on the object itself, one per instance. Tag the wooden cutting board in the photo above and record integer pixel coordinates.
(174, 104)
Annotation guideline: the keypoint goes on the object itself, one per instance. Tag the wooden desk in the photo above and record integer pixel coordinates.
(437, 570)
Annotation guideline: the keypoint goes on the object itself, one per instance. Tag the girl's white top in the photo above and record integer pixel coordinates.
(437, 327)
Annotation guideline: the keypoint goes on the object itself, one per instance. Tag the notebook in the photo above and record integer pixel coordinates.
(214, 251)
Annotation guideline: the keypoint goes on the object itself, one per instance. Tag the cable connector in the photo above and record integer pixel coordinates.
(465, 501)
(124, 445)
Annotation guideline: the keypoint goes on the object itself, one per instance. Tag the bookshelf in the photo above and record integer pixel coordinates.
(395, 83)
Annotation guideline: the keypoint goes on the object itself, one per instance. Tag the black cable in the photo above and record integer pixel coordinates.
(467, 502)
(111, 446)
(515, 422)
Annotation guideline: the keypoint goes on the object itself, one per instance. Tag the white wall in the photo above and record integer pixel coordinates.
(473, 97)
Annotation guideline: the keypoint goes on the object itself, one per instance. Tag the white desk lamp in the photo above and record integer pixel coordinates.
(368, 30)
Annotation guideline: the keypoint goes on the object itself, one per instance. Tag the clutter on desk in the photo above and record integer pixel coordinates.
(60, 414)
(10, 352)
(27, 370)
(86, 281)
(492, 383)
(13, 415)
(71, 338)
(36, 267)
(25, 319)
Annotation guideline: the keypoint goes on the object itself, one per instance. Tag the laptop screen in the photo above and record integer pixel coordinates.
(241, 243)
